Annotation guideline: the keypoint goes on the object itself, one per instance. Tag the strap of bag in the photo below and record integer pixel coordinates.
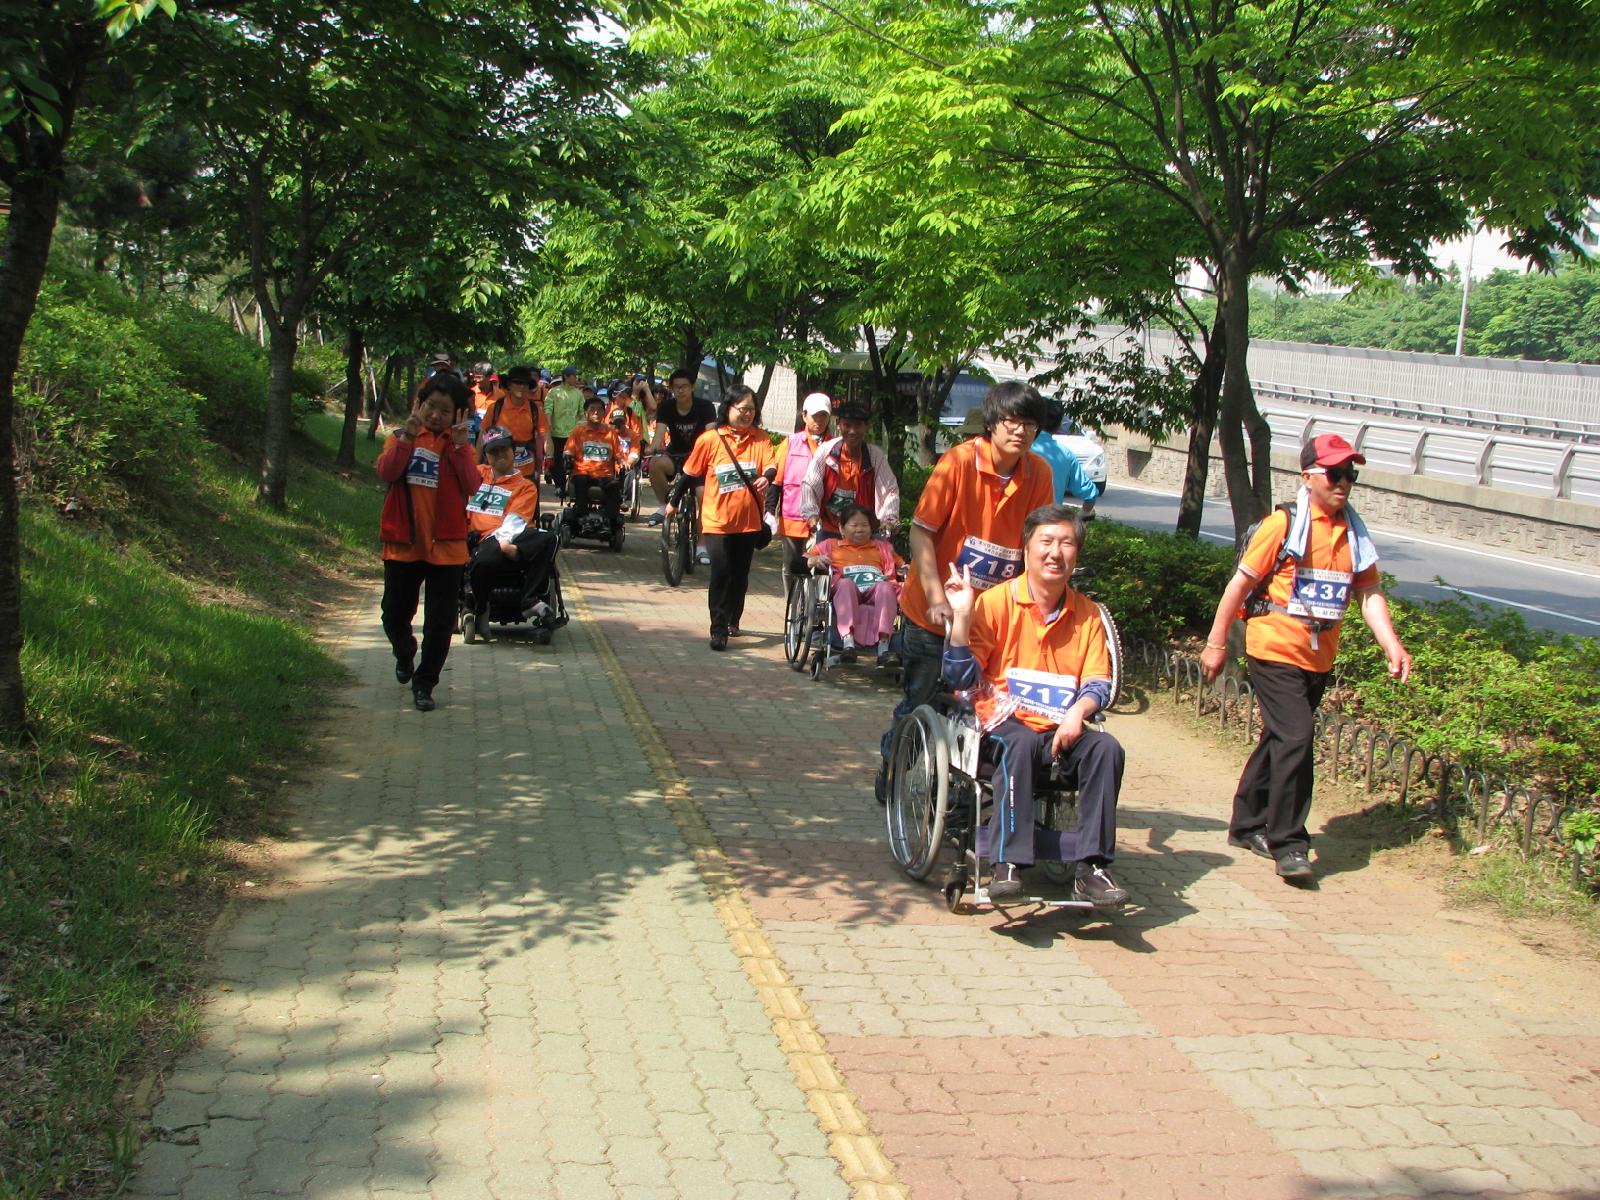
(743, 478)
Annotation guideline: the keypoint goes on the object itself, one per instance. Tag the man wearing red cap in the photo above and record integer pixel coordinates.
(1293, 583)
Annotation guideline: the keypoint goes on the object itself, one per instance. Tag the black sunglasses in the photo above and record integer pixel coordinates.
(1337, 475)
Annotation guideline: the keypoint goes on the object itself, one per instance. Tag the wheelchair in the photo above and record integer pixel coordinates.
(941, 793)
(583, 515)
(505, 602)
(810, 638)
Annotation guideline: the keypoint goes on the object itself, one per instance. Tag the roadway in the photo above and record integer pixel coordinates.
(1562, 598)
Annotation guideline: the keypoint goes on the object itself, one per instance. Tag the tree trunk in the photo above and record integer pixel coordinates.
(765, 385)
(1203, 396)
(1237, 404)
(35, 199)
(694, 351)
(272, 490)
(355, 390)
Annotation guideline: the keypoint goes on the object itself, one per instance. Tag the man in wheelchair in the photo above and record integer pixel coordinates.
(507, 543)
(593, 455)
(1032, 651)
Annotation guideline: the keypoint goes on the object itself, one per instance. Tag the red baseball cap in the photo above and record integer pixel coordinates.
(1328, 450)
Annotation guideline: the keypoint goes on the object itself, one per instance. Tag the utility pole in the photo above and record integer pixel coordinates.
(1466, 289)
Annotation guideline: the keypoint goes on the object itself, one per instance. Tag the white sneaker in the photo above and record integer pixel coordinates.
(702, 557)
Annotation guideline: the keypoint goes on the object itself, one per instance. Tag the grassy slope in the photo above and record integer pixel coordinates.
(171, 671)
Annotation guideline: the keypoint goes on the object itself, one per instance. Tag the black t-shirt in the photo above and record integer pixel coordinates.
(682, 429)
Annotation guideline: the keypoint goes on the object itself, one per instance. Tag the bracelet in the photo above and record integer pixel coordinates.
(1215, 646)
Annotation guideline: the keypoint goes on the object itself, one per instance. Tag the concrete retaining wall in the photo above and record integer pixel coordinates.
(1559, 530)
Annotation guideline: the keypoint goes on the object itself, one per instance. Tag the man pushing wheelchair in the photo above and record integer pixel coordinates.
(1032, 653)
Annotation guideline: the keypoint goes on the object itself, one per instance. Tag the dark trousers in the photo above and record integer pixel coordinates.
(921, 669)
(558, 465)
(402, 584)
(536, 552)
(731, 555)
(1093, 764)
(1274, 794)
(610, 496)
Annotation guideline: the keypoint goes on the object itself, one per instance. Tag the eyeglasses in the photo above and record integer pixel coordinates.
(1019, 424)
(1336, 475)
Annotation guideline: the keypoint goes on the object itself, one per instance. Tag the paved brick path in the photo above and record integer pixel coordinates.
(626, 926)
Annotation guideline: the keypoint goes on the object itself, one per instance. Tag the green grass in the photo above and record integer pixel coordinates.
(172, 676)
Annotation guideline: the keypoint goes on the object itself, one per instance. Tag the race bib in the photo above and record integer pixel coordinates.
(728, 477)
(864, 577)
(991, 564)
(1320, 595)
(423, 470)
(840, 501)
(1042, 692)
(522, 456)
(597, 452)
(489, 500)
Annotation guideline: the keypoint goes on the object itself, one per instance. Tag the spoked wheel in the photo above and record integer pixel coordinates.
(1113, 651)
(919, 790)
(797, 627)
(672, 559)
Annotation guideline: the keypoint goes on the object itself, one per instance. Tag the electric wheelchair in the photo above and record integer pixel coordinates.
(940, 794)
(506, 599)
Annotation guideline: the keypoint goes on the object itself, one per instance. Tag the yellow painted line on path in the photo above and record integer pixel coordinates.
(861, 1159)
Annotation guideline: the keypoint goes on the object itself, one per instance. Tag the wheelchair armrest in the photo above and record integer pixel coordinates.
(954, 706)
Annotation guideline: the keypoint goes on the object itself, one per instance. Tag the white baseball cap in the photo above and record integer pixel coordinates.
(817, 402)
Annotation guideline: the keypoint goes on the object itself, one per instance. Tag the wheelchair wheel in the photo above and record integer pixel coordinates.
(1113, 651)
(797, 627)
(617, 537)
(469, 627)
(672, 558)
(919, 790)
(822, 635)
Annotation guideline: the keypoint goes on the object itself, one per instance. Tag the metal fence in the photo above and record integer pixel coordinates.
(1567, 470)
(1451, 791)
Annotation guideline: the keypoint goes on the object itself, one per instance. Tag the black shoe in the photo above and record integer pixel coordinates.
(880, 783)
(1094, 884)
(1006, 882)
(480, 625)
(849, 654)
(719, 639)
(422, 699)
(1256, 843)
(1295, 865)
(403, 671)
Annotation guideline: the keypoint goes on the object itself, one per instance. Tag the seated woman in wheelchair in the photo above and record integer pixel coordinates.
(1033, 651)
(503, 519)
(864, 573)
(593, 456)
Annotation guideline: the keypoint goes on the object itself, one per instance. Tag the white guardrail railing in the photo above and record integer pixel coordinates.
(1566, 470)
(1586, 432)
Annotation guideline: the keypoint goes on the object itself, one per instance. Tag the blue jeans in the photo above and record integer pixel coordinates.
(921, 668)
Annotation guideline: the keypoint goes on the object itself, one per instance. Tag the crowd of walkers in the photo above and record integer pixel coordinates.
(987, 604)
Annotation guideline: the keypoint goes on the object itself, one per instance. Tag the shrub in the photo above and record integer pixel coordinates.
(228, 371)
(97, 399)
(1159, 586)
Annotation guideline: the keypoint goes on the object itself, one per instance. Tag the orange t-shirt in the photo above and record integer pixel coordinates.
(423, 488)
(596, 452)
(500, 497)
(975, 517)
(1325, 576)
(863, 564)
(728, 506)
(849, 483)
(631, 434)
(484, 397)
(1035, 664)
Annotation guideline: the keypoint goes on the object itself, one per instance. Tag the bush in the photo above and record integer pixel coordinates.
(228, 371)
(1485, 690)
(97, 399)
(1159, 586)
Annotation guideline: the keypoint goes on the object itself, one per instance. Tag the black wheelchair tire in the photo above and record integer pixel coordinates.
(796, 628)
(919, 791)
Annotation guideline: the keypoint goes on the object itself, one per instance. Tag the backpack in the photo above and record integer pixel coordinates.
(1255, 604)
